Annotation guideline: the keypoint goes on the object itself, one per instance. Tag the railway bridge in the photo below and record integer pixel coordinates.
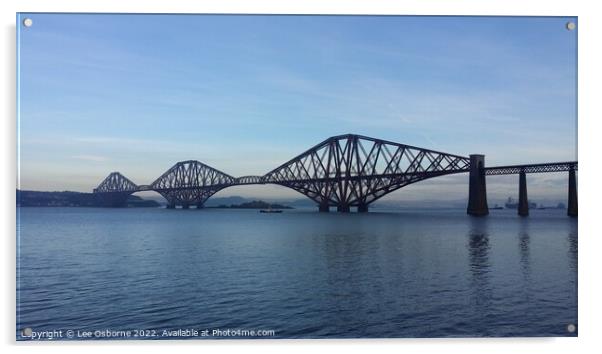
(343, 171)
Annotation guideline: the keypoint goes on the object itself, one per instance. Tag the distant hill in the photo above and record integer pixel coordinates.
(71, 199)
(256, 204)
(217, 201)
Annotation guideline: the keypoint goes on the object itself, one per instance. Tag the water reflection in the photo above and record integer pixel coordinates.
(572, 253)
(524, 241)
(411, 274)
(354, 280)
(480, 266)
(572, 274)
(529, 312)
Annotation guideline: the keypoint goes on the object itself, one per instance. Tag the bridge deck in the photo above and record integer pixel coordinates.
(343, 171)
(532, 168)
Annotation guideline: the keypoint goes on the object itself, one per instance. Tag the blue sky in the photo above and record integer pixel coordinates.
(135, 93)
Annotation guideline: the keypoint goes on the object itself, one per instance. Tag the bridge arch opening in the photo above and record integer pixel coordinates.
(447, 191)
(269, 193)
(147, 198)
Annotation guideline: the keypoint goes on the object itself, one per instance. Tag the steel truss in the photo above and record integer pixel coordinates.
(114, 190)
(249, 180)
(534, 168)
(116, 182)
(191, 183)
(343, 171)
(353, 170)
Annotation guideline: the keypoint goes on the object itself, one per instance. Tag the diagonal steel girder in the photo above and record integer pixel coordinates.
(354, 170)
(342, 170)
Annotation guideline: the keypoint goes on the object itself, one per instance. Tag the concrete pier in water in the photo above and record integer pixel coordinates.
(477, 191)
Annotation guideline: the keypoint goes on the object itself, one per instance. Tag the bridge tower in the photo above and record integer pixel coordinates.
(114, 191)
(477, 191)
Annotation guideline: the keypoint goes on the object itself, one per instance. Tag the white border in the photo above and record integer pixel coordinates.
(589, 197)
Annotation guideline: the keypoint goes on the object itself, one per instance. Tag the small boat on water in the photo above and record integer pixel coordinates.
(497, 207)
(270, 211)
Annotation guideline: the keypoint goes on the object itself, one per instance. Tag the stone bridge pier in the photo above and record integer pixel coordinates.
(572, 207)
(477, 191)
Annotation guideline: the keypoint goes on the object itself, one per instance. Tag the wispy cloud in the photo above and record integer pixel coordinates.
(244, 94)
(93, 158)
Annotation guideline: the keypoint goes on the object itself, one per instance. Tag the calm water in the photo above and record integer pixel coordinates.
(300, 273)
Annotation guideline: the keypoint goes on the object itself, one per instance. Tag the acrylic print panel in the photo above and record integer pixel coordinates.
(236, 176)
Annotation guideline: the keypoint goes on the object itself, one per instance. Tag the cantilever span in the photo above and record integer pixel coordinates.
(343, 171)
(353, 170)
(191, 183)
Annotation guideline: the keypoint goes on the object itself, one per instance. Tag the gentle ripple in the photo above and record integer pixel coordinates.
(435, 273)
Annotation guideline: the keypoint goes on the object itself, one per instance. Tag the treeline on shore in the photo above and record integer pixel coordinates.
(78, 199)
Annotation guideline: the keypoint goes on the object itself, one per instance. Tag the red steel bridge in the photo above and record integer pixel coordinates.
(343, 171)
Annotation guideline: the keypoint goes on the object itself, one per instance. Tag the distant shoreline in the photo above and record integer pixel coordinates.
(73, 199)
(256, 204)
(29, 198)
(79, 199)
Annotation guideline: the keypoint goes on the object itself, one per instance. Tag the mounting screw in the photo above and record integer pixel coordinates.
(570, 26)
(26, 332)
(571, 328)
(27, 22)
